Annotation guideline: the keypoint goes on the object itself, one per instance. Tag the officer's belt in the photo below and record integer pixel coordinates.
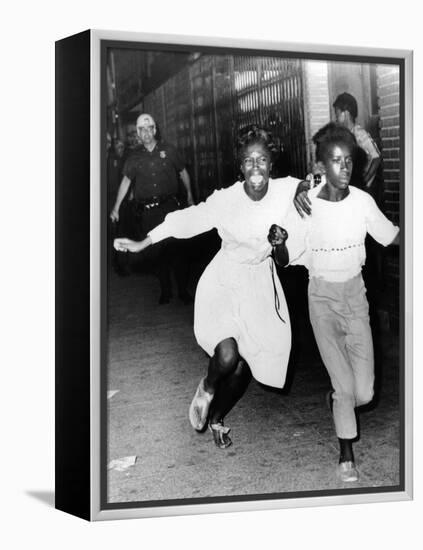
(153, 202)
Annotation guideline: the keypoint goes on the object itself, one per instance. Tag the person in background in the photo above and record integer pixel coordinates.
(334, 255)
(367, 164)
(155, 167)
(115, 163)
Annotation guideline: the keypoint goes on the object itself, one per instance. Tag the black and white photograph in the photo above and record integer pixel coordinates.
(187, 364)
(252, 209)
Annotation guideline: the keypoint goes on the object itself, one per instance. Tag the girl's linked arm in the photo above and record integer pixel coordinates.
(186, 223)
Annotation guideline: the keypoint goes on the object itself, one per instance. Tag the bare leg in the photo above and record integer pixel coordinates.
(221, 365)
(230, 392)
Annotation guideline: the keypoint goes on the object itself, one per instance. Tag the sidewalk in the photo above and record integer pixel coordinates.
(283, 441)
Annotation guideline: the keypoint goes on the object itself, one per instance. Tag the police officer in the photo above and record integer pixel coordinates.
(154, 167)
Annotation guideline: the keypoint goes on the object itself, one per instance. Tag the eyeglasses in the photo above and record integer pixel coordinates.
(250, 162)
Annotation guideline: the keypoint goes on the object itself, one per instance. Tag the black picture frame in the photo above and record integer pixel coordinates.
(81, 275)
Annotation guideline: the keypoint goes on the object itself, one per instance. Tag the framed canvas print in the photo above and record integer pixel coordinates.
(233, 275)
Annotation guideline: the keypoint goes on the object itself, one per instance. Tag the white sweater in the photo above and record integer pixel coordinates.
(336, 231)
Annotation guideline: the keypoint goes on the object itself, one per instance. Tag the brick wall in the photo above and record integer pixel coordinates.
(316, 102)
(389, 111)
(388, 95)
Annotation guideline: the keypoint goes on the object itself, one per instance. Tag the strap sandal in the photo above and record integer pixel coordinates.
(199, 408)
(220, 435)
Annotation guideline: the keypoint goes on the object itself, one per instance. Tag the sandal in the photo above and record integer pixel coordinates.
(220, 435)
(199, 408)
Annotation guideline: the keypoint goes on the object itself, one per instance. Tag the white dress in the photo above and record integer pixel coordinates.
(239, 294)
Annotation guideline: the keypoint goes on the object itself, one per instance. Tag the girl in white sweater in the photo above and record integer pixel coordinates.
(335, 253)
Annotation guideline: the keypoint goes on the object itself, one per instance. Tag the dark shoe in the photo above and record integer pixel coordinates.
(220, 435)
(347, 472)
(199, 408)
(186, 298)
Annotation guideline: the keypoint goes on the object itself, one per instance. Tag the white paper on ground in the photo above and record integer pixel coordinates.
(122, 464)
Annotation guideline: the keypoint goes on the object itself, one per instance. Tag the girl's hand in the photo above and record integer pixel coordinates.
(114, 215)
(301, 201)
(128, 245)
(277, 235)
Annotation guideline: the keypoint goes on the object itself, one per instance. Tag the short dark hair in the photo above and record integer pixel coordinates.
(346, 102)
(254, 134)
(332, 134)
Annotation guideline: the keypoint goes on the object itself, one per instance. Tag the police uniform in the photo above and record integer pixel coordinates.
(155, 178)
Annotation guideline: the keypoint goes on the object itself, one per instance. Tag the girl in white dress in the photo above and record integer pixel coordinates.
(240, 315)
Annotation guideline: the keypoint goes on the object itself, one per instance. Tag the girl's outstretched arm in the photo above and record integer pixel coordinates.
(128, 245)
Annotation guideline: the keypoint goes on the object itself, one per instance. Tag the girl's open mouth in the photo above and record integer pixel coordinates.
(256, 179)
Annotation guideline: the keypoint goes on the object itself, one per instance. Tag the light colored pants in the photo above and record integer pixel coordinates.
(339, 315)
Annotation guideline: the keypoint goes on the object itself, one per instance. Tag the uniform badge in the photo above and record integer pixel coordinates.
(162, 154)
